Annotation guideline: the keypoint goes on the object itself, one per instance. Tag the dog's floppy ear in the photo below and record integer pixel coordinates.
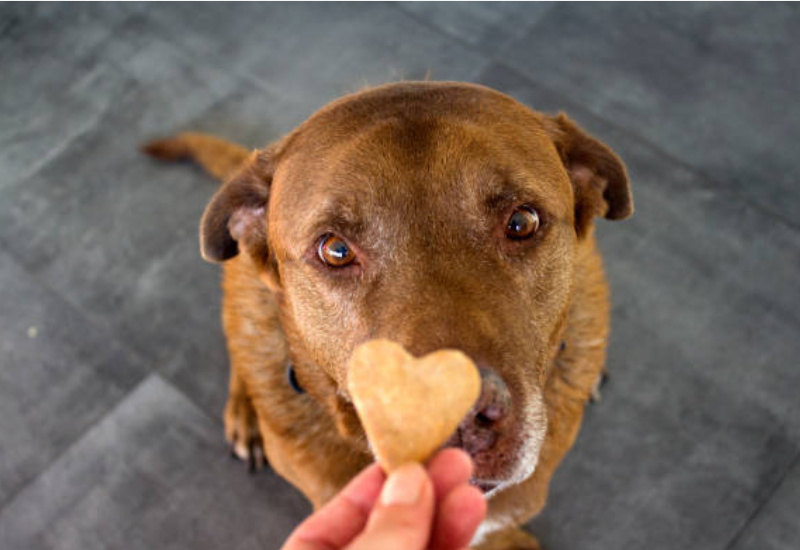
(598, 176)
(236, 217)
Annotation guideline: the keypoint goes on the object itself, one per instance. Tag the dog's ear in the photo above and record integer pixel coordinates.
(236, 217)
(598, 176)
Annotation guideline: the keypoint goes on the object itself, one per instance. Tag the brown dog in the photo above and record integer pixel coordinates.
(439, 215)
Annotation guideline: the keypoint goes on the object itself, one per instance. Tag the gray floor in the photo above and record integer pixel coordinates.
(113, 369)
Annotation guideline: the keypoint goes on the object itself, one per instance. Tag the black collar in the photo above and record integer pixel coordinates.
(291, 377)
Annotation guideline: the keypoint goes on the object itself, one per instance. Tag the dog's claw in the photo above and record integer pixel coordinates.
(250, 451)
(601, 382)
(254, 456)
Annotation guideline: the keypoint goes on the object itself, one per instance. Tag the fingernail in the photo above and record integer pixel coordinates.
(403, 486)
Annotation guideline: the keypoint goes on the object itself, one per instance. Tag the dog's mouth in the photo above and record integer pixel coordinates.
(495, 466)
(491, 433)
(511, 460)
(503, 436)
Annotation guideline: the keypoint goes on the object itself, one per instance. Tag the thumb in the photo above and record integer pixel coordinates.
(403, 517)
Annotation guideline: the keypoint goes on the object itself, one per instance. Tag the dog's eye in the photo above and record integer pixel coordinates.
(523, 223)
(334, 252)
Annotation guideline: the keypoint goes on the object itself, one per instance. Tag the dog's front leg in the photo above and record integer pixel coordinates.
(241, 424)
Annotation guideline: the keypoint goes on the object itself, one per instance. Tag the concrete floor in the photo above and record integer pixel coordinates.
(112, 363)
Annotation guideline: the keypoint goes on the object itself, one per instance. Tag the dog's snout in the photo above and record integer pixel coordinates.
(478, 430)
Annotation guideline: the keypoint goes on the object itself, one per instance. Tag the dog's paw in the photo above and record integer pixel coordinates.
(510, 539)
(242, 433)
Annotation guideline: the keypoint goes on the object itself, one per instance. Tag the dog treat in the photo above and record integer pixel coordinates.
(409, 407)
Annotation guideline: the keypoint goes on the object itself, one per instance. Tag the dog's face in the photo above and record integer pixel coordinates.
(435, 215)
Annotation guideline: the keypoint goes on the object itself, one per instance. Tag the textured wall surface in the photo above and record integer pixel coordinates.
(112, 363)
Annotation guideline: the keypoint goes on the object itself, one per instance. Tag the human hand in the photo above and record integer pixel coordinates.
(416, 508)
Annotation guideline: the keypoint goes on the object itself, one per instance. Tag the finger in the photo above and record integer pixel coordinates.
(403, 517)
(458, 516)
(448, 469)
(336, 524)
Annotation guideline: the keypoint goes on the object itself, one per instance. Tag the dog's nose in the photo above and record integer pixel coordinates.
(478, 430)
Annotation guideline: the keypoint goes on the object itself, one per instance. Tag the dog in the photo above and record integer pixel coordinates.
(435, 214)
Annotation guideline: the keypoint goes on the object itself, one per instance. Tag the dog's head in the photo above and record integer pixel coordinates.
(438, 215)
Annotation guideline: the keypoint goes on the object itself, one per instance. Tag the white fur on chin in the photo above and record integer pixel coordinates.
(535, 428)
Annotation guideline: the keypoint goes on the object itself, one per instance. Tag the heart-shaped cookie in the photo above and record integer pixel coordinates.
(409, 407)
